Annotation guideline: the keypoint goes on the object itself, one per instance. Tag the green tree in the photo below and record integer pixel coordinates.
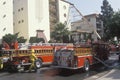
(36, 40)
(9, 38)
(21, 39)
(60, 31)
(114, 26)
(106, 15)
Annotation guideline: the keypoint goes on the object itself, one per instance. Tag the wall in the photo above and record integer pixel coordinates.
(21, 17)
(6, 17)
(64, 9)
(39, 17)
(31, 15)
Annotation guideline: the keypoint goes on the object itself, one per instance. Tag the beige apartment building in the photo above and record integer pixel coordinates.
(59, 12)
(83, 29)
(6, 17)
(38, 15)
(30, 16)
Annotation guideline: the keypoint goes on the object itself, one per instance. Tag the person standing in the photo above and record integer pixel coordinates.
(33, 58)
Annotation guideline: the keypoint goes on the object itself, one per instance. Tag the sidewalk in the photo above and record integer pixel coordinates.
(114, 74)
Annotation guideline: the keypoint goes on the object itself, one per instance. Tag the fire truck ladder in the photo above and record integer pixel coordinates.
(105, 64)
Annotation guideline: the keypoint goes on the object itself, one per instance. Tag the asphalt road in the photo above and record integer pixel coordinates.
(48, 73)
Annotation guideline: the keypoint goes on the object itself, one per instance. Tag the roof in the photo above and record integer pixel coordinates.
(94, 14)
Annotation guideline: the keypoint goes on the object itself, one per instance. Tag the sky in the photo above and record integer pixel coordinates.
(93, 6)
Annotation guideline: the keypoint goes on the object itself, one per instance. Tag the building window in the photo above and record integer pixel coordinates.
(4, 2)
(19, 22)
(4, 15)
(64, 15)
(13, 24)
(89, 19)
(22, 21)
(18, 10)
(78, 27)
(22, 9)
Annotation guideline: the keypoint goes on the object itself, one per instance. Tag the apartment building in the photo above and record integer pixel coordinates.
(53, 12)
(59, 12)
(6, 17)
(64, 12)
(38, 15)
(82, 29)
(31, 16)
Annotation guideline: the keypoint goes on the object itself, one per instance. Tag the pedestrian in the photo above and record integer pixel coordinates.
(33, 58)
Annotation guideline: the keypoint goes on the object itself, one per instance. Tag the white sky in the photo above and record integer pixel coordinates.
(93, 6)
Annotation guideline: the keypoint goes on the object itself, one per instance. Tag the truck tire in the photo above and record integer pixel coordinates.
(119, 57)
(38, 63)
(86, 65)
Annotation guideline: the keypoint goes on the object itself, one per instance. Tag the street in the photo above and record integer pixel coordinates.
(45, 74)
(50, 73)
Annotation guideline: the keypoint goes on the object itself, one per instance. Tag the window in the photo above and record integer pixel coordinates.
(89, 19)
(4, 15)
(19, 22)
(64, 15)
(78, 27)
(4, 2)
(18, 10)
(22, 9)
(22, 21)
(13, 24)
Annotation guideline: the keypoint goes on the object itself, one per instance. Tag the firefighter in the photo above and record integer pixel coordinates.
(32, 59)
(1, 63)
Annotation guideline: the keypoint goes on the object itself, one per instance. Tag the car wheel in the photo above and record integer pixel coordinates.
(38, 64)
(86, 65)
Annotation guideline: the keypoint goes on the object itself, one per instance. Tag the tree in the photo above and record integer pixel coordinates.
(21, 39)
(36, 40)
(60, 31)
(9, 38)
(106, 15)
(114, 26)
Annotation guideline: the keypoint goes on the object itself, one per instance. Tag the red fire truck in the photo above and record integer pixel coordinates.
(81, 56)
(18, 59)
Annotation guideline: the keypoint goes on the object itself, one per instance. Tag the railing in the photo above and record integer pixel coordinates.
(27, 45)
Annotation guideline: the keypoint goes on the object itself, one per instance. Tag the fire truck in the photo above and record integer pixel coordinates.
(18, 59)
(81, 56)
